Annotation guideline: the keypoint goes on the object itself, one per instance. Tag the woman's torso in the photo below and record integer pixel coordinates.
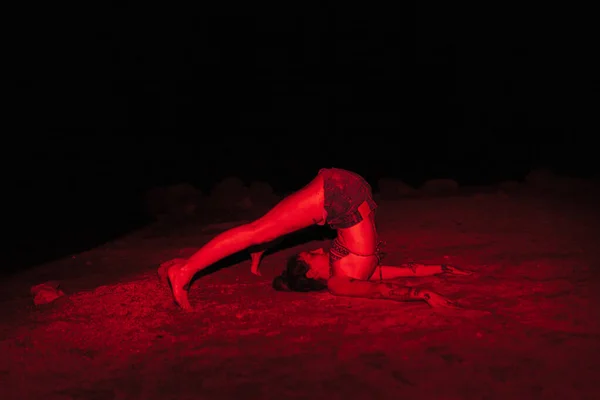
(361, 242)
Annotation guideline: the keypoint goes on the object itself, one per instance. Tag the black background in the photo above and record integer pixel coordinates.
(111, 102)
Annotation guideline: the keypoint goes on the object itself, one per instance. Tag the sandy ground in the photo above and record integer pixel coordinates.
(117, 335)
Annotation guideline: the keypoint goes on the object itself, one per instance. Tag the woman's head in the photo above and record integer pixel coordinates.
(304, 272)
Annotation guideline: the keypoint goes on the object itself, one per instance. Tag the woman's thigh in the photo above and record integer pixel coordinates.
(297, 211)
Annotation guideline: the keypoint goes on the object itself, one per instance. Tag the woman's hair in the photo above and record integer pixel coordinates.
(293, 278)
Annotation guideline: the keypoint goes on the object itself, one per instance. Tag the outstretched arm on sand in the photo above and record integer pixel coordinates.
(345, 286)
(416, 270)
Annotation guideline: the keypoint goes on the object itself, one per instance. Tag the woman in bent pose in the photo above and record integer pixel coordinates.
(339, 198)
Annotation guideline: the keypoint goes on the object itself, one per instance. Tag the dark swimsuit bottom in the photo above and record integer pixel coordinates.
(345, 192)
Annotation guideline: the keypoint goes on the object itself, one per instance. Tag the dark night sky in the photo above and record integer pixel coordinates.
(143, 95)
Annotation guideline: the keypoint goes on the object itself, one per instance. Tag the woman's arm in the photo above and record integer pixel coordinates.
(350, 287)
(415, 270)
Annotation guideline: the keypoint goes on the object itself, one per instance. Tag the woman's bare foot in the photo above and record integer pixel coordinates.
(256, 262)
(179, 282)
(163, 269)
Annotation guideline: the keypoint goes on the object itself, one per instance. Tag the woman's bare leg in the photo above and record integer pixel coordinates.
(293, 213)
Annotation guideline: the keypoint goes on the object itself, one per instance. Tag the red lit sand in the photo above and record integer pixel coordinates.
(117, 334)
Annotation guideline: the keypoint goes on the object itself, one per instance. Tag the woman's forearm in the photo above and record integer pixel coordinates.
(406, 270)
(344, 286)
